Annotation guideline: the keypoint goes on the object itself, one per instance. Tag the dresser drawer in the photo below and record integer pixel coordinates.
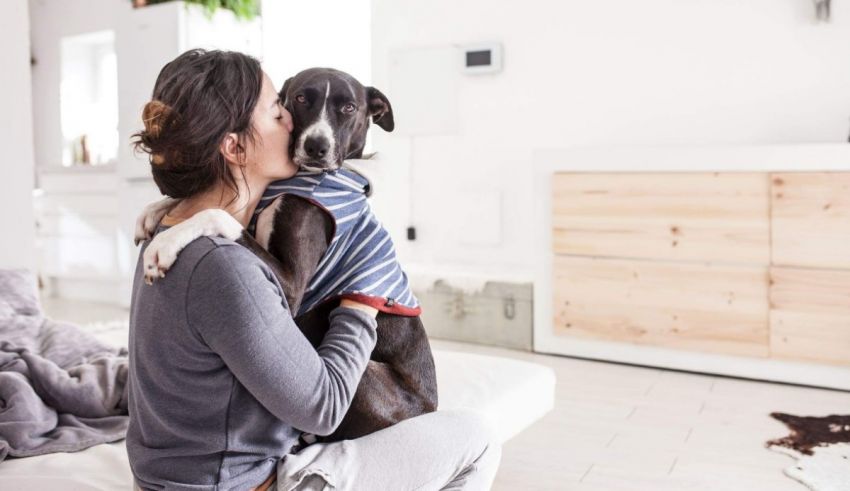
(811, 219)
(710, 217)
(810, 315)
(698, 307)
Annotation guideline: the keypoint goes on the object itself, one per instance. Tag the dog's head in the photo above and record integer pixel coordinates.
(331, 111)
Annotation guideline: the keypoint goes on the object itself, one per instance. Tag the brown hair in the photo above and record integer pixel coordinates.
(198, 98)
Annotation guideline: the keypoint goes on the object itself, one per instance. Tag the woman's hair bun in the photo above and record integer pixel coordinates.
(154, 116)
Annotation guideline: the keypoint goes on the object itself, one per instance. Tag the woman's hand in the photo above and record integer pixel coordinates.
(345, 302)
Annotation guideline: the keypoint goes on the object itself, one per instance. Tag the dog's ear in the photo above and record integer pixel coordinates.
(380, 109)
(282, 93)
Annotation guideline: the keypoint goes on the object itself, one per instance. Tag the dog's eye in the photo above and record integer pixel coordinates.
(300, 99)
(349, 108)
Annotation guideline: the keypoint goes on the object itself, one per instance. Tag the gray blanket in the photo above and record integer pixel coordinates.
(61, 390)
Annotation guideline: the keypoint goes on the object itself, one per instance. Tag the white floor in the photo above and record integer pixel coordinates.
(618, 427)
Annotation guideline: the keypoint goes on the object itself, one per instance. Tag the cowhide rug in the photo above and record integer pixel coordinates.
(821, 446)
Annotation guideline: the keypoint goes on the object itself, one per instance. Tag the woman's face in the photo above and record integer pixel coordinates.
(268, 155)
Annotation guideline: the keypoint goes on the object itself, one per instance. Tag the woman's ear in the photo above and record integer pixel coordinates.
(229, 148)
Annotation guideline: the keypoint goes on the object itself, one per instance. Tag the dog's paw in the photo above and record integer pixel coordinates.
(159, 257)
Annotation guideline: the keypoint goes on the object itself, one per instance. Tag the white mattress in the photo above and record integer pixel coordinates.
(510, 394)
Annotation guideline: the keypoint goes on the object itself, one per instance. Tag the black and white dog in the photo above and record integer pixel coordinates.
(318, 234)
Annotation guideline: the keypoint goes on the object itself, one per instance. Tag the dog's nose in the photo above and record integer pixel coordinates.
(316, 148)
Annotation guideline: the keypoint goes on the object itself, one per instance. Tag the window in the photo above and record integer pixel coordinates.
(89, 99)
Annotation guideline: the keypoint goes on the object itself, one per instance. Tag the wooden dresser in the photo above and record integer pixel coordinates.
(730, 260)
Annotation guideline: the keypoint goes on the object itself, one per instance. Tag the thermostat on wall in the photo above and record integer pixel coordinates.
(482, 58)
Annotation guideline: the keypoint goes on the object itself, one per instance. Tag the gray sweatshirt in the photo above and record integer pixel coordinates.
(221, 377)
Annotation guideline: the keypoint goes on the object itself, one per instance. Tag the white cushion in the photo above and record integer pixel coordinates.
(510, 394)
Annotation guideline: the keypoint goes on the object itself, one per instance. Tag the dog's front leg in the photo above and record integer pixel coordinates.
(150, 217)
(162, 251)
(297, 233)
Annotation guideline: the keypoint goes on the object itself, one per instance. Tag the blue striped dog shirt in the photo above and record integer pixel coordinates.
(360, 262)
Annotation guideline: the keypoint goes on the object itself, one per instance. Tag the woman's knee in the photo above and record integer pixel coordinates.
(481, 449)
(472, 425)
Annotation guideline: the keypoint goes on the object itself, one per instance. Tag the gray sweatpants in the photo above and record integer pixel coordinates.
(444, 450)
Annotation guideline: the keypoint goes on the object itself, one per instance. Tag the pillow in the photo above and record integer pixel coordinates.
(18, 294)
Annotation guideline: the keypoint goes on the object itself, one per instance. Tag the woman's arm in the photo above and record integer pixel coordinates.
(235, 305)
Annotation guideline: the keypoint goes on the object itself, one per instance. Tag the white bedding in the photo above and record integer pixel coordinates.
(510, 394)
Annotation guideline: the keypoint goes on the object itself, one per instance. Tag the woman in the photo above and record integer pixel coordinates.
(220, 375)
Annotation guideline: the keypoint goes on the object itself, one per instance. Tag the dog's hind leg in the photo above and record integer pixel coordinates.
(399, 382)
(380, 401)
(403, 345)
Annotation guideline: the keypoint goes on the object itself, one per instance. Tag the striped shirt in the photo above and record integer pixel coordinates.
(360, 262)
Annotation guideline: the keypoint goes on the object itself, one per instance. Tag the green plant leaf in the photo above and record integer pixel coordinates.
(243, 9)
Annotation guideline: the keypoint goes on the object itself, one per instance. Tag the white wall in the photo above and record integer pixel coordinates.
(583, 73)
(326, 33)
(17, 225)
